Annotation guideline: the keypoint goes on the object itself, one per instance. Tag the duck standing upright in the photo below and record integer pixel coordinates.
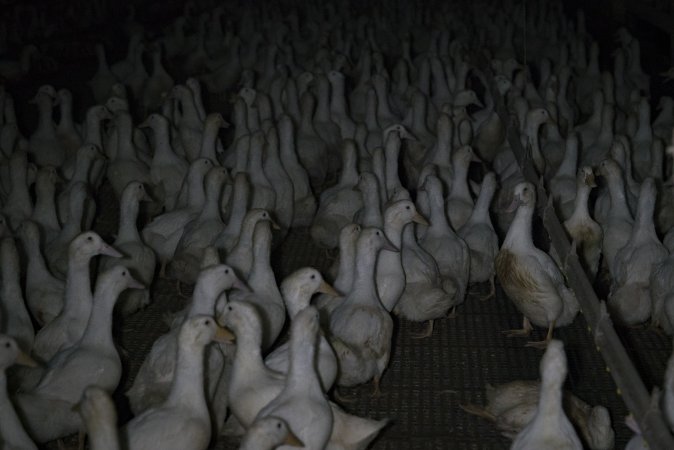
(529, 276)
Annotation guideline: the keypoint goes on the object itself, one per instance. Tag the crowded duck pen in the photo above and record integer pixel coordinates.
(336, 225)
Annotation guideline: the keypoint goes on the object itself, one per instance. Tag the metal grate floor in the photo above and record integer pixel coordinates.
(428, 378)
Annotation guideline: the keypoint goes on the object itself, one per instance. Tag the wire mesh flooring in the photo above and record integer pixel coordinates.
(429, 378)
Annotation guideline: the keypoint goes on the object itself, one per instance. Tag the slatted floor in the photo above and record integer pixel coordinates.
(427, 379)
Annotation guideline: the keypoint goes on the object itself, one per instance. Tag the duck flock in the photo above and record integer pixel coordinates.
(370, 128)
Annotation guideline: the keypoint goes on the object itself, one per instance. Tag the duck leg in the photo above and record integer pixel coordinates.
(525, 331)
(478, 411)
(342, 398)
(544, 343)
(492, 289)
(426, 333)
(376, 393)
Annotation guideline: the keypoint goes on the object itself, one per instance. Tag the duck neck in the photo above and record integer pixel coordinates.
(261, 274)
(128, 231)
(125, 147)
(349, 176)
(480, 212)
(302, 376)
(187, 388)
(344, 281)
(616, 188)
(323, 101)
(569, 163)
(460, 183)
(371, 112)
(391, 152)
(519, 233)
(439, 222)
(338, 100)
(534, 144)
(211, 208)
(580, 210)
(99, 328)
(93, 130)
(66, 111)
(364, 287)
(196, 195)
(162, 141)
(45, 207)
(296, 299)
(550, 401)
(45, 108)
(419, 114)
(37, 267)
(208, 141)
(248, 356)
(11, 287)
(383, 107)
(78, 297)
(82, 167)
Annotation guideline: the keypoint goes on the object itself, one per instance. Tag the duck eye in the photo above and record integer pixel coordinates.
(278, 425)
(227, 271)
(7, 345)
(313, 277)
(207, 322)
(229, 308)
(89, 238)
(407, 208)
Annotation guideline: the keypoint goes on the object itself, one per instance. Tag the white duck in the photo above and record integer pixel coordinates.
(138, 257)
(126, 165)
(200, 232)
(68, 327)
(165, 231)
(617, 226)
(630, 295)
(340, 202)
(100, 418)
(305, 202)
(459, 201)
(240, 256)
(265, 295)
(512, 406)
(182, 421)
(18, 204)
(360, 327)
(44, 213)
(563, 184)
(236, 210)
(44, 144)
(16, 321)
(584, 231)
(297, 290)
(14, 436)
(550, 428)
(390, 276)
(167, 169)
(449, 250)
(529, 276)
(479, 235)
(47, 409)
(252, 384)
(302, 402)
(44, 292)
(152, 383)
